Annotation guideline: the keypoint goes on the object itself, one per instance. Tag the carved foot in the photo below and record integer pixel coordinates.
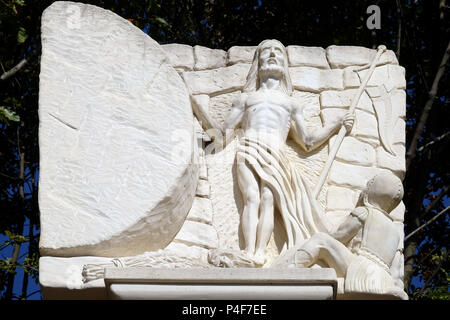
(259, 258)
(93, 272)
(228, 258)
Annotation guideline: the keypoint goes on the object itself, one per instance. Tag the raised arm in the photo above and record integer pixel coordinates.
(311, 139)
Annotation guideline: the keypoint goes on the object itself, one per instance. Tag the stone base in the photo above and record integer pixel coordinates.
(220, 284)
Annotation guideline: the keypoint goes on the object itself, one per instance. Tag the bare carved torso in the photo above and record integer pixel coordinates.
(267, 116)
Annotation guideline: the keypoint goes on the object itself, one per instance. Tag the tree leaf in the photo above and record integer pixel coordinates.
(22, 35)
(8, 115)
(162, 21)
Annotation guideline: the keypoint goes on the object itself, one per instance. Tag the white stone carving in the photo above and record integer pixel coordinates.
(131, 177)
(364, 247)
(109, 120)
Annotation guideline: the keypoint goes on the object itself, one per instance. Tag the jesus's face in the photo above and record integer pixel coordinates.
(272, 58)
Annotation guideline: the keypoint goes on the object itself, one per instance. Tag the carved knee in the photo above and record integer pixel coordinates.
(267, 196)
(321, 239)
(251, 197)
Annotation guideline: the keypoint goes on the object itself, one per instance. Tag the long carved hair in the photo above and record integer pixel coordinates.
(253, 81)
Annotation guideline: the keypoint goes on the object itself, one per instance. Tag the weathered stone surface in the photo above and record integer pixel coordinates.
(217, 81)
(180, 55)
(379, 76)
(202, 169)
(240, 54)
(107, 122)
(300, 56)
(347, 175)
(343, 99)
(203, 189)
(339, 198)
(201, 211)
(206, 58)
(397, 76)
(316, 80)
(199, 234)
(344, 56)
(221, 104)
(351, 79)
(394, 163)
(354, 151)
(398, 101)
(399, 133)
(365, 125)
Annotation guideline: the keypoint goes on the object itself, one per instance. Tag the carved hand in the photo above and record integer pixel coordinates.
(348, 121)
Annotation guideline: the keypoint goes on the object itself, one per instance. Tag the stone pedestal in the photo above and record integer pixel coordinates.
(194, 284)
(220, 284)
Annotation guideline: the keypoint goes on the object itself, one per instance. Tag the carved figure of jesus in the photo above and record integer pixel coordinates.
(267, 113)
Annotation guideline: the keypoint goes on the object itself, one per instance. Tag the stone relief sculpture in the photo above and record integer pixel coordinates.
(364, 247)
(265, 112)
(188, 157)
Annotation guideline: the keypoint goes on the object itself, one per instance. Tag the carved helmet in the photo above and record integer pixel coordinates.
(384, 191)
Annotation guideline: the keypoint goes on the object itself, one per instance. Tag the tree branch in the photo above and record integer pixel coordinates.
(427, 223)
(399, 32)
(410, 155)
(436, 201)
(429, 144)
(17, 67)
(420, 293)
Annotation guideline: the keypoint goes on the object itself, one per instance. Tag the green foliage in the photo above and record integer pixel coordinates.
(7, 115)
(22, 35)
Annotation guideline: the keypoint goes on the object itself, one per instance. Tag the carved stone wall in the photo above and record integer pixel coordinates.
(325, 83)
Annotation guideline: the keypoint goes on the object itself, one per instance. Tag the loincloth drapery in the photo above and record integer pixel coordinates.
(301, 213)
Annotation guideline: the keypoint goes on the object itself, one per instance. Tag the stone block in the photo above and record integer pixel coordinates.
(399, 132)
(398, 101)
(365, 125)
(344, 56)
(339, 198)
(379, 76)
(354, 151)
(300, 56)
(316, 80)
(241, 54)
(203, 189)
(198, 234)
(206, 58)
(343, 99)
(351, 79)
(201, 211)
(351, 176)
(181, 56)
(214, 82)
(394, 163)
(397, 76)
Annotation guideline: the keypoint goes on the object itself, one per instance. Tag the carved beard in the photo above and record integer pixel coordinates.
(272, 70)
